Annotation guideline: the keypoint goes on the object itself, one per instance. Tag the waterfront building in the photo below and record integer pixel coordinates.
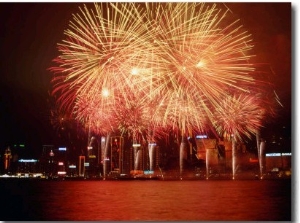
(28, 166)
(7, 160)
(81, 166)
(278, 161)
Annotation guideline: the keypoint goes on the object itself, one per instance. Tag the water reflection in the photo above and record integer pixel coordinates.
(255, 200)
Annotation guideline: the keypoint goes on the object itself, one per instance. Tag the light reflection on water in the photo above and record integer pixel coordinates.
(243, 200)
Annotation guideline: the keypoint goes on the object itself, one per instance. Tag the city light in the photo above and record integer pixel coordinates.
(28, 160)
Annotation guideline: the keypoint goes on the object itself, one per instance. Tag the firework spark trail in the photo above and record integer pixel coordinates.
(99, 56)
(168, 63)
(200, 59)
(90, 113)
(239, 115)
(108, 68)
(98, 51)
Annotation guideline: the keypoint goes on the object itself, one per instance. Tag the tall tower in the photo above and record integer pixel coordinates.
(46, 159)
(117, 154)
(7, 159)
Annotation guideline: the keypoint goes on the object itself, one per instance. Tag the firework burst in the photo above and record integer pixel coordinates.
(99, 53)
(198, 53)
(200, 59)
(162, 64)
(239, 115)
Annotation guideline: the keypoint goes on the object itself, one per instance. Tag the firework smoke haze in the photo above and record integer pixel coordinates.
(167, 64)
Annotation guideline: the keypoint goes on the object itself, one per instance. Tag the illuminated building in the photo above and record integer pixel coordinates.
(61, 170)
(47, 160)
(72, 170)
(137, 156)
(280, 161)
(7, 160)
(52, 164)
(91, 166)
(61, 160)
(53, 161)
(207, 151)
(81, 166)
(116, 154)
(28, 166)
(122, 157)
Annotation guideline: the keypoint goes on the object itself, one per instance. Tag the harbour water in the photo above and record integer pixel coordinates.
(146, 200)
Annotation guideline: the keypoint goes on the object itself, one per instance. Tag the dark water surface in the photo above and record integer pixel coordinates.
(243, 200)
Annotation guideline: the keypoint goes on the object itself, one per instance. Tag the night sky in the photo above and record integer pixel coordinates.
(29, 36)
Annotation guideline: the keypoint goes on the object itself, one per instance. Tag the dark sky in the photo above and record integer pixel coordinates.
(31, 31)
